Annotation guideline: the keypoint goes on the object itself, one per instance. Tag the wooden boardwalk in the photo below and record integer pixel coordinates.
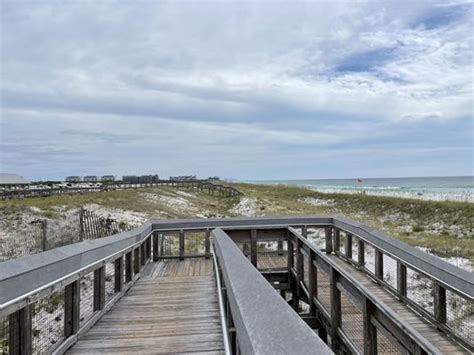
(172, 309)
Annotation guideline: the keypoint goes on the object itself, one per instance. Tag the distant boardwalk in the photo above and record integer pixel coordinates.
(211, 188)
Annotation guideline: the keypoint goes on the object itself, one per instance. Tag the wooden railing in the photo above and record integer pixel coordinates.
(311, 271)
(49, 299)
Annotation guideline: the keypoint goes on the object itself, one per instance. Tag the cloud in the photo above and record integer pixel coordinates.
(190, 78)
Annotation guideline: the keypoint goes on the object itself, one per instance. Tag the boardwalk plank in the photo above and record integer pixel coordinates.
(173, 309)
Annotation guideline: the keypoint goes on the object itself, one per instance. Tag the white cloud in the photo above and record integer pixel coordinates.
(261, 75)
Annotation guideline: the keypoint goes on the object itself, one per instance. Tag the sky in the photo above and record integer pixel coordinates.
(242, 90)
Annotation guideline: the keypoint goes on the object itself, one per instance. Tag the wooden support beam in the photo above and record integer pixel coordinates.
(81, 224)
(299, 268)
(71, 308)
(440, 309)
(253, 247)
(136, 260)
(361, 253)
(402, 279)
(99, 288)
(181, 244)
(335, 295)
(304, 231)
(290, 256)
(207, 244)
(142, 254)
(44, 231)
(19, 332)
(155, 246)
(118, 274)
(280, 247)
(312, 283)
(128, 267)
(378, 264)
(329, 243)
(348, 246)
(148, 247)
(337, 239)
(370, 332)
(162, 244)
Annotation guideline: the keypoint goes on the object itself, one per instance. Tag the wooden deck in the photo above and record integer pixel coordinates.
(172, 309)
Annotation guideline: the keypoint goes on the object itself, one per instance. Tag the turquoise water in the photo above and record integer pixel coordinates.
(459, 188)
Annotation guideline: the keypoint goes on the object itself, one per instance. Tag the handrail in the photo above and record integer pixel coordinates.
(264, 322)
(224, 328)
(454, 277)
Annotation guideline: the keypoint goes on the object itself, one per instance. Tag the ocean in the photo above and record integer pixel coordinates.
(453, 188)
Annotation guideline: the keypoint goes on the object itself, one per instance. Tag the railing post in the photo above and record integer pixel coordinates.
(142, 254)
(136, 260)
(148, 247)
(304, 231)
(155, 246)
(280, 247)
(299, 268)
(71, 308)
(128, 267)
(118, 274)
(335, 295)
(370, 332)
(328, 231)
(361, 253)
(312, 283)
(253, 247)
(181, 244)
(401, 279)
(291, 261)
(20, 326)
(337, 239)
(162, 244)
(44, 231)
(207, 244)
(440, 303)
(348, 246)
(99, 288)
(81, 224)
(378, 264)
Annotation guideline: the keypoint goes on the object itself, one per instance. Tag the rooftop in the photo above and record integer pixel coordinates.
(12, 179)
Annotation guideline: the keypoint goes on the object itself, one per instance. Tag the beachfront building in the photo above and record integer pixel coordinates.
(143, 179)
(12, 181)
(73, 179)
(183, 178)
(90, 178)
(107, 178)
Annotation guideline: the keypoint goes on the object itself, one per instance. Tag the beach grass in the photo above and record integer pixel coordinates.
(444, 228)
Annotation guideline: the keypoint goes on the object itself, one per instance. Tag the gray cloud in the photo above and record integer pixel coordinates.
(197, 84)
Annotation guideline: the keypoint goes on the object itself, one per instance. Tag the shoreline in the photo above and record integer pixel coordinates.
(424, 196)
(394, 192)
